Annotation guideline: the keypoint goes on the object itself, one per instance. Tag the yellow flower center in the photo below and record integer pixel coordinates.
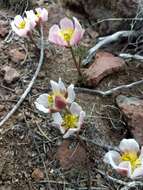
(66, 34)
(133, 158)
(38, 14)
(70, 121)
(22, 24)
(50, 100)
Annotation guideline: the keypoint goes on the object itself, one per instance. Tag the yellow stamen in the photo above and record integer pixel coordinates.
(38, 14)
(70, 121)
(133, 158)
(50, 99)
(66, 34)
(22, 24)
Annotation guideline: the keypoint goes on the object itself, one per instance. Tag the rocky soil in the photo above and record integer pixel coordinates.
(33, 155)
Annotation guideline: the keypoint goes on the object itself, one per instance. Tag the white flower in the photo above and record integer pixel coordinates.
(40, 15)
(31, 16)
(21, 26)
(57, 99)
(129, 161)
(71, 122)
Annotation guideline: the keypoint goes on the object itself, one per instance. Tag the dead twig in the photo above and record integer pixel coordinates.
(42, 132)
(106, 40)
(127, 185)
(130, 56)
(103, 146)
(132, 184)
(28, 89)
(108, 92)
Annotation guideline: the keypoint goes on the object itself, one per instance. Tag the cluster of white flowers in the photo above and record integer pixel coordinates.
(67, 115)
(22, 26)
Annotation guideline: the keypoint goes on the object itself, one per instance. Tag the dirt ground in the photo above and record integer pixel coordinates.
(31, 143)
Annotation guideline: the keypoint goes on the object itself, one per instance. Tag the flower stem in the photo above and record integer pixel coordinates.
(75, 62)
(32, 40)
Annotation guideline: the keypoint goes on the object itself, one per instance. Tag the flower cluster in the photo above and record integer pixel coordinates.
(68, 33)
(22, 26)
(129, 160)
(67, 115)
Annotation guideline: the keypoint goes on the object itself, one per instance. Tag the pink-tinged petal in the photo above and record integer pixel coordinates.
(76, 37)
(113, 158)
(129, 145)
(78, 32)
(61, 86)
(138, 172)
(55, 86)
(71, 94)
(54, 36)
(77, 25)
(75, 109)
(124, 168)
(70, 132)
(28, 25)
(42, 13)
(60, 102)
(19, 32)
(66, 23)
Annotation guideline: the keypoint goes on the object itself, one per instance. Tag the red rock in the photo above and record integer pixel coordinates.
(104, 65)
(10, 75)
(132, 109)
(16, 55)
(71, 157)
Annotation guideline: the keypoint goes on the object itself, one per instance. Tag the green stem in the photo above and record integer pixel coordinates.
(75, 62)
